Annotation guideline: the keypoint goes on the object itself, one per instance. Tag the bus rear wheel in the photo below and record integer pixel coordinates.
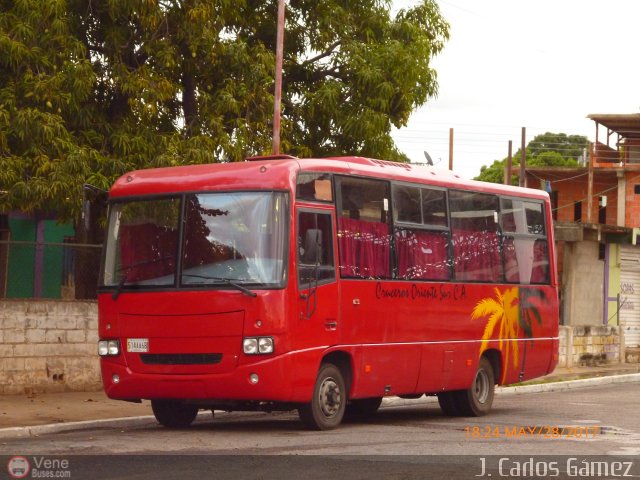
(327, 406)
(448, 403)
(173, 414)
(476, 401)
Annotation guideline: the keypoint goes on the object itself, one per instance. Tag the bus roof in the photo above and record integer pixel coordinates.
(279, 174)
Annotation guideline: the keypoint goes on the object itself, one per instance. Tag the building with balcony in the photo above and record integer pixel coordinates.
(597, 224)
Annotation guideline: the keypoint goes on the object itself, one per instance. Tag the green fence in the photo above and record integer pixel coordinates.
(56, 270)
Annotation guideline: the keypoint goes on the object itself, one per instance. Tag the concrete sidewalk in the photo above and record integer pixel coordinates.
(69, 407)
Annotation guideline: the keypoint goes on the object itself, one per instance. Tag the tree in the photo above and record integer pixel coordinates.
(568, 146)
(494, 173)
(370, 72)
(545, 150)
(46, 85)
(89, 90)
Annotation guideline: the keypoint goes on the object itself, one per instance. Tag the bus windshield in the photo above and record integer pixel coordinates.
(227, 239)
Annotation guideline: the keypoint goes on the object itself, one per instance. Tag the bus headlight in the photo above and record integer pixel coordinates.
(265, 345)
(257, 345)
(108, 348)
(250, 346)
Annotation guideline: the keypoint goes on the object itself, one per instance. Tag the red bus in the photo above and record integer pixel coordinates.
(322, 285)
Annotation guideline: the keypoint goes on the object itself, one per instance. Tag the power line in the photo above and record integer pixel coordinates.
(558, 180)
(598, 194)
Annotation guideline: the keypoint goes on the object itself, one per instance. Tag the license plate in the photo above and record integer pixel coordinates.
(138, 345)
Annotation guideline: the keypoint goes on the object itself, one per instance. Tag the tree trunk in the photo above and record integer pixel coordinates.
(189, 101)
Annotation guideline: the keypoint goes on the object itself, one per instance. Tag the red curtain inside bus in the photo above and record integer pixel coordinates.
(364, 248)
(477, 256)
(422, 255)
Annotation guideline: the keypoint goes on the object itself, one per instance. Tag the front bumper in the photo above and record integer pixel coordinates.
(284, 378)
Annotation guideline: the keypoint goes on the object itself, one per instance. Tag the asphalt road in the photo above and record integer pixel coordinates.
(400, 442)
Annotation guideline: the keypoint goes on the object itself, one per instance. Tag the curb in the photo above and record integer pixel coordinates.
(536, 388)
(128, 422)
(37, 430)
(569, 384)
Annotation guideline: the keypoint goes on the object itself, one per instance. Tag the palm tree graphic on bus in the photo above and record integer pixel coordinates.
(509, 312)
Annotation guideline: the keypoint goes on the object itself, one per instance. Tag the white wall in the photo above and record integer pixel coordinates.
(583, 284)
(48, 346)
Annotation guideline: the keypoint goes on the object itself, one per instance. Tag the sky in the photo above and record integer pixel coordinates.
(540, 64)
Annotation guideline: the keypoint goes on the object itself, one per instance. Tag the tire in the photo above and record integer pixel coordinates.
(476, 401)
(448, 404)
(173, 414)
(327, 406)
(363, 407)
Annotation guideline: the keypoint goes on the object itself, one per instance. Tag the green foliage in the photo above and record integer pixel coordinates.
(494, 173)
(92, 89)
(546, 150)
(369, 73)
(569, 146)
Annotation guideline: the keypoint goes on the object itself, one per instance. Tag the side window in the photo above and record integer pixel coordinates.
(434, 207)
(526, 254)
(422, 206)
(475, 235)
(315, 248)
(363, 228)
(522, 216)
(315, 187)
(407, 205)
(421, 236)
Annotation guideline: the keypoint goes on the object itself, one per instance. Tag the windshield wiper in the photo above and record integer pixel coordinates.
(123, 280)
(226, 281)
(126, 269)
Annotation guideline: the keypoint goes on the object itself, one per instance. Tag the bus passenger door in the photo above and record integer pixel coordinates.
(319, 318)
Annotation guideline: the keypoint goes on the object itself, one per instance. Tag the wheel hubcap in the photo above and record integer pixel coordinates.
(330, 397)
(481, 386)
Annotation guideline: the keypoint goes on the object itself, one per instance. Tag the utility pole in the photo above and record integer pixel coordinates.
(590, 196)
(509, 167)
(523, 158)
(277, 97)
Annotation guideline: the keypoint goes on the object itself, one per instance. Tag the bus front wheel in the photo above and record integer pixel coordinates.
(327, 406)
(173, 414)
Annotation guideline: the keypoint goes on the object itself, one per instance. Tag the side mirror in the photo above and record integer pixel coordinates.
(91, 195)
